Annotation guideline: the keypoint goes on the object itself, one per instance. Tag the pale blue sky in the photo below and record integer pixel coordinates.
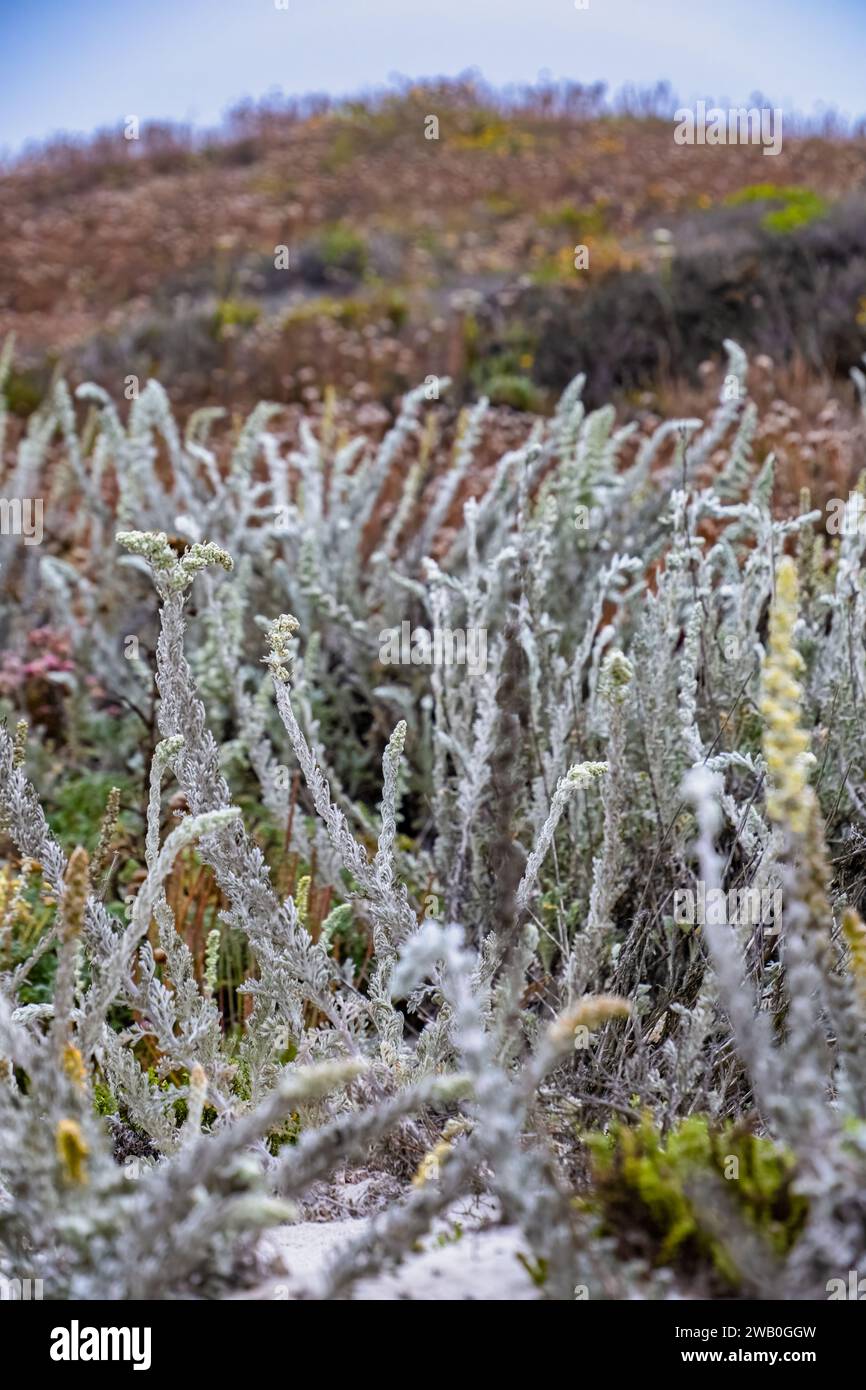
(77, 64)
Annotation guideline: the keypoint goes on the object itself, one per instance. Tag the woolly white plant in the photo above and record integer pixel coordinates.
(539, 802)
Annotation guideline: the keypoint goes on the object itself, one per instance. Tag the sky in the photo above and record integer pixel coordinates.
(75, 65)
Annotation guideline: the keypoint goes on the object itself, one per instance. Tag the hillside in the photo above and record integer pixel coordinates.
(405, 256)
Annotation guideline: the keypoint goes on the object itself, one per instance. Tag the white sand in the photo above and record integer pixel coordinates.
(480, 1264)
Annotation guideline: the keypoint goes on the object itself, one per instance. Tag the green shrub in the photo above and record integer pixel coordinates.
(578, 222)
(798, 206)
(78, 806)
(645, 1186)
(24, 391)
(343, 248)
(352, 312)
(234, 313)
(517, 391)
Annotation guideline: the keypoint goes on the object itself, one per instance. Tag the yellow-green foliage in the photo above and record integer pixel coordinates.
(798, 206)
(520, 392)
(103, 1101)
(23, 392)
(644, 1187)
(578, 222)
(288, 1133)
(342, 248)
(786, 742)
(353, 312)
(500, 206)
(492, 132)
(234, 313)
(344, 937)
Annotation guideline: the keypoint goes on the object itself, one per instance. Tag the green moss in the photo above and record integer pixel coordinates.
(103, 1101)
(288, 1133)
(241, 1083)
(644, 1187)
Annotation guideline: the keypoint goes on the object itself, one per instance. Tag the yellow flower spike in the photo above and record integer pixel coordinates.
(589, 1012)
(73, 1151)
(302, 893)
(431, 1164)
(6, 888)
(854, 932)
(73, 1065)
(19, 751)
(75, 897)
(107, 832)
(786, 744)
